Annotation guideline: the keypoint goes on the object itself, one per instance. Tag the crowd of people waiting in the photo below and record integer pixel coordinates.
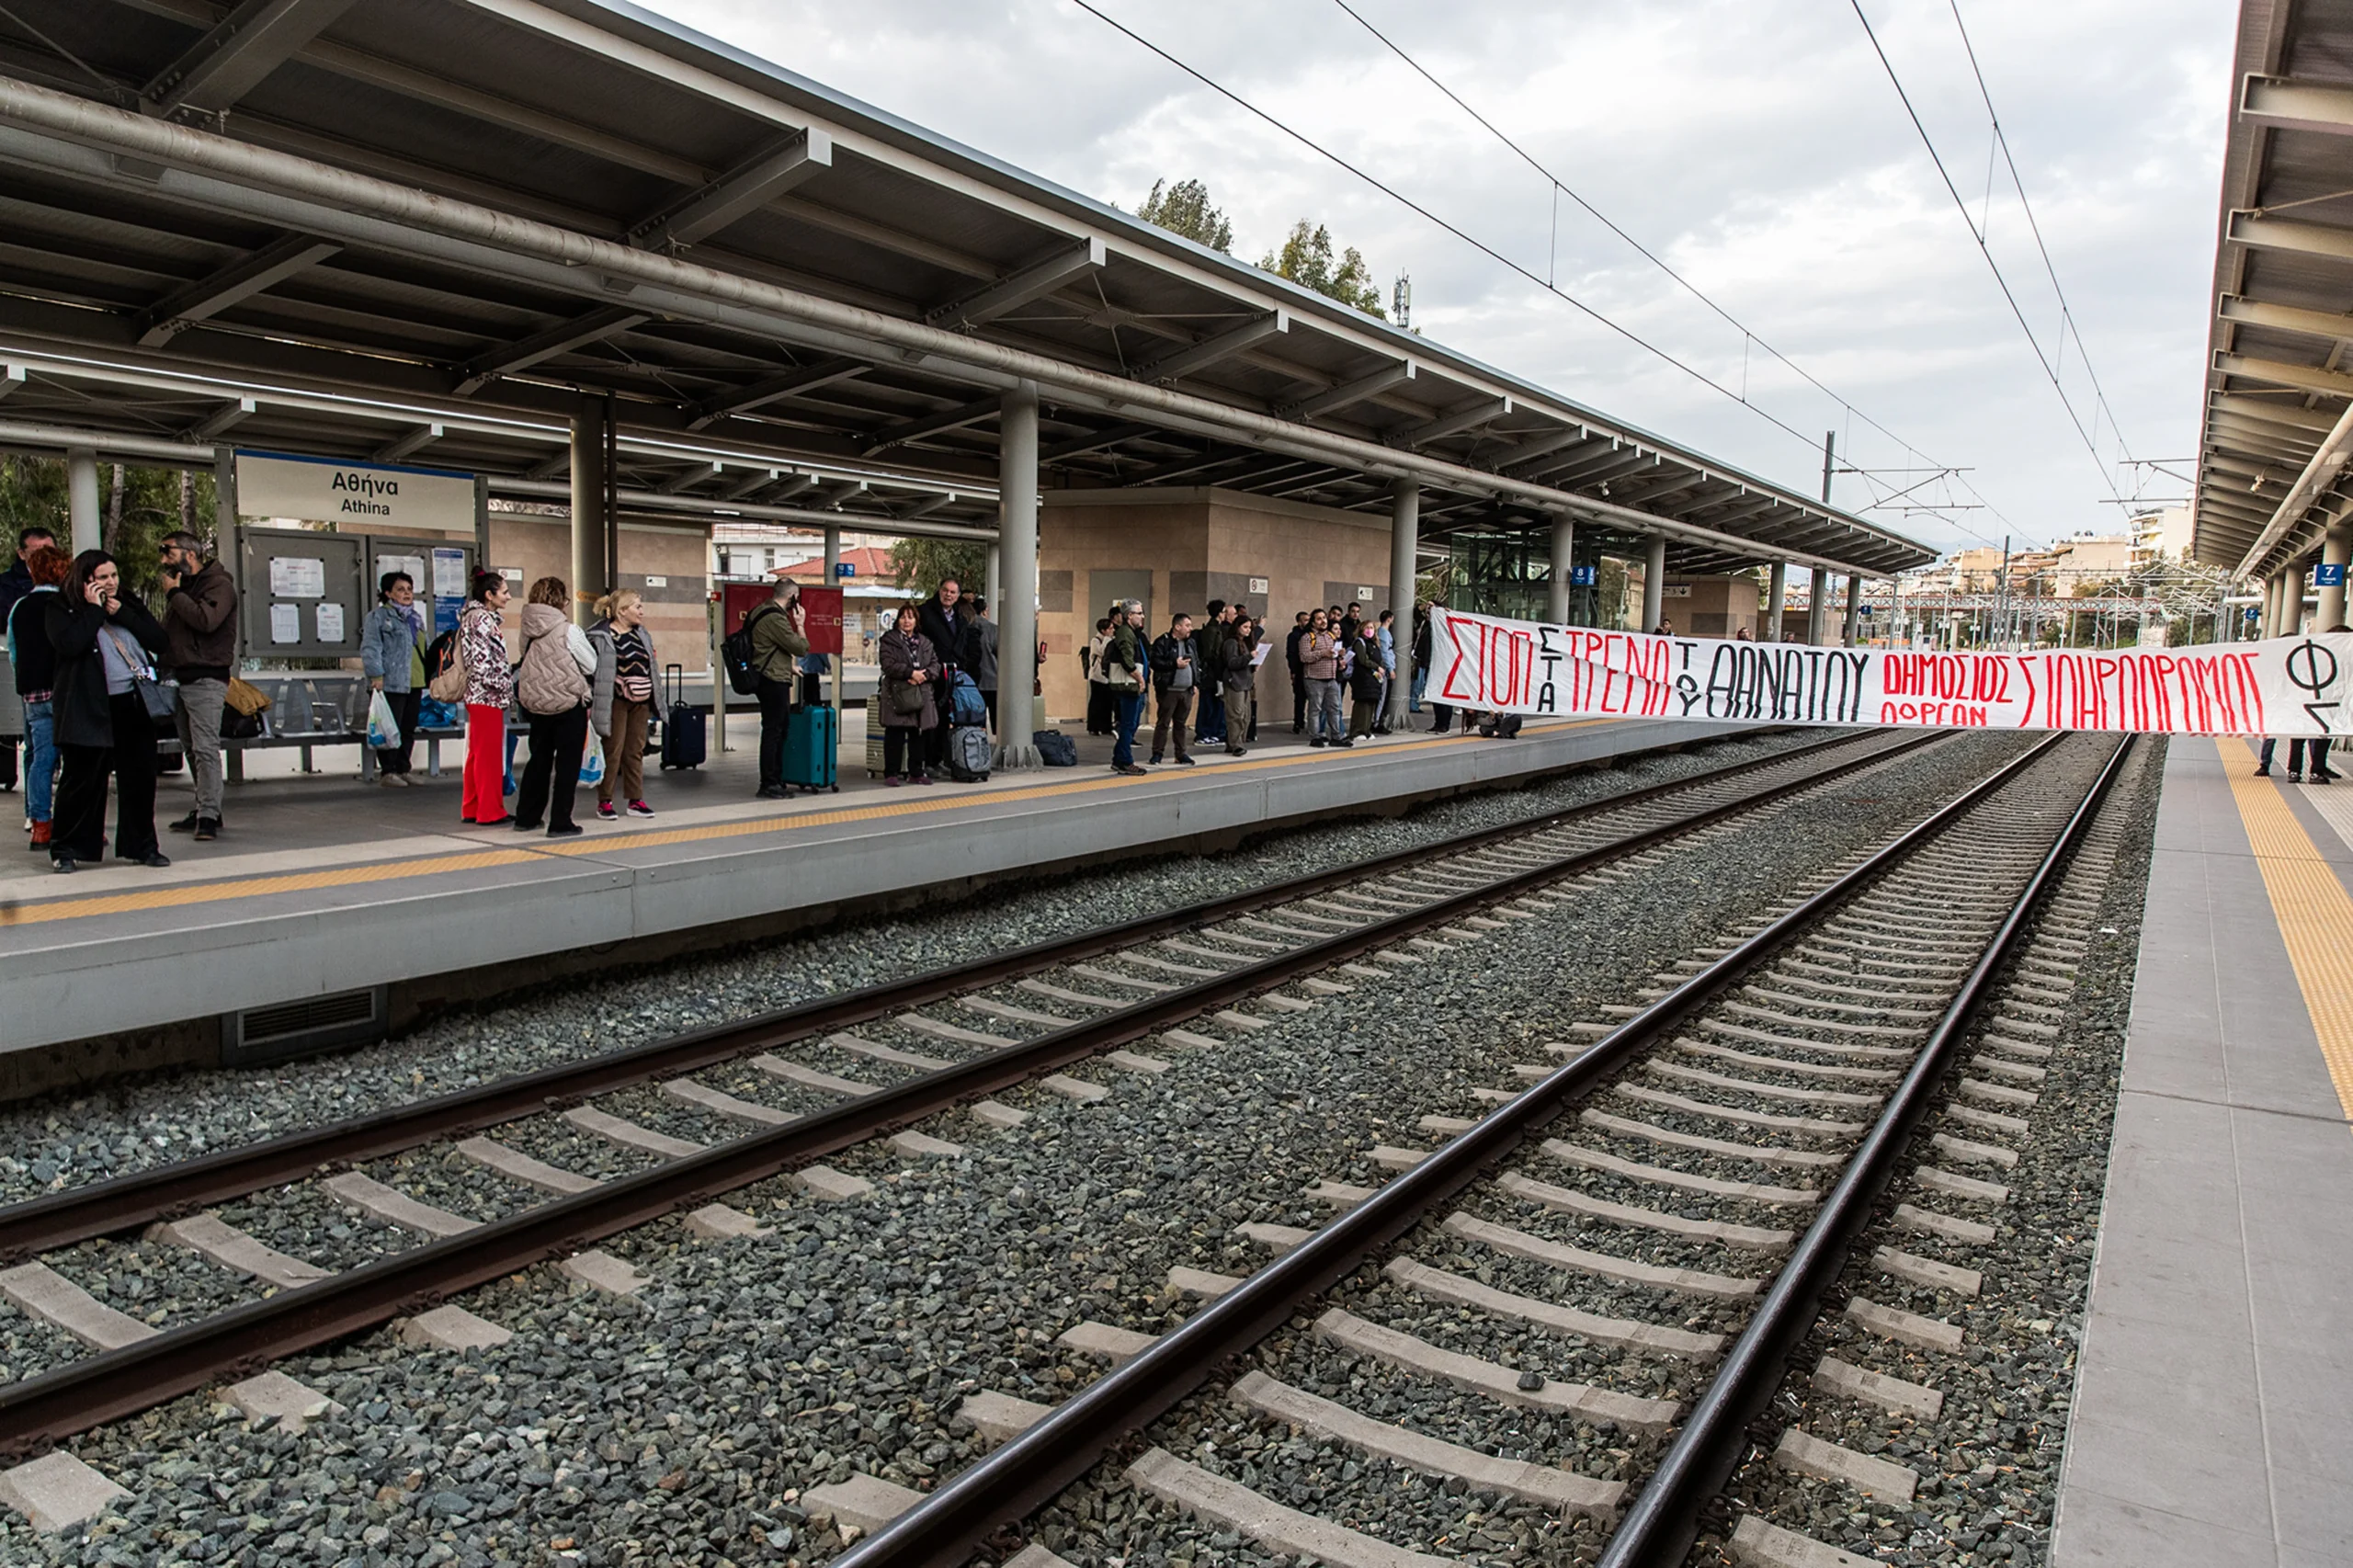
(89, 660)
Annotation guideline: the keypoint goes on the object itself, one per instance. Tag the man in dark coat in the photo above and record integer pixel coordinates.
(942, 621)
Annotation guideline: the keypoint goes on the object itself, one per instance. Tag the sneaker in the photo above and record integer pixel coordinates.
(206, 829)
(640, 809)
(1155, 759)
(2323, 779)
(1316, 742)
(2263, 770)
(2295, 777)
(566, 829)
(1132, 770)
(891, 781)
(63, 864)
(388, 780)
(154, 857)
(606, 812)
(1185, 762)
(1236, 751)
(922, 778)
(1344, 743)
(774, 793)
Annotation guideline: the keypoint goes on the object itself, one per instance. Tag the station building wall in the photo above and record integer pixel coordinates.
(1710, 606)
(1178, 549)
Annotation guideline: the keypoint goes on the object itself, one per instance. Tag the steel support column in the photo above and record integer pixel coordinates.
(1776, 588)
(591, 525)
(834, 580)
(81, 499)
(2336, 549)
(1854, 609)
(1565, 541)
(1017, 621)
(1654, 583)
(1404, 547)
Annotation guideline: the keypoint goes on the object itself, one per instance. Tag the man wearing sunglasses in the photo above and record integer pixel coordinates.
(200, 628)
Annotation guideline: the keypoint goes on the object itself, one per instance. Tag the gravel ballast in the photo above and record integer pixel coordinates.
(683, 1425)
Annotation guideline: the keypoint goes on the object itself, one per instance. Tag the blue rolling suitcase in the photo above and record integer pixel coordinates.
(813, 749)
(682, 727)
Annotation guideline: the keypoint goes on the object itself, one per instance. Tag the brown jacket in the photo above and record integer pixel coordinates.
(200, 624)
(549, 679)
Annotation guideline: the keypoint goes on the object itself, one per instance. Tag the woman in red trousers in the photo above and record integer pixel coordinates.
(490, 682)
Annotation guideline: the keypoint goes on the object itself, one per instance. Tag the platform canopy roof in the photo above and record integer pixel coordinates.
(455, 214)
(2278, 416)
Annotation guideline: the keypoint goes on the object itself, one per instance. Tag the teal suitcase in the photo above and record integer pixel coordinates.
(813, 747)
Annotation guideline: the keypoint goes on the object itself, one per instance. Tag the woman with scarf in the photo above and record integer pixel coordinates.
(392, 653)
(490, 684)
(106, 645)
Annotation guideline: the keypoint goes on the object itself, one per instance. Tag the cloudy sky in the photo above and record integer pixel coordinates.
(1757, 146)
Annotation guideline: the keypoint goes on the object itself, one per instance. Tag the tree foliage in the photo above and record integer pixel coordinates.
(918, 564)
(1184, 209)
(1307, 259)
(136, 506)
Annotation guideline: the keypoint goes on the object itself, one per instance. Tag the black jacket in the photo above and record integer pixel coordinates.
(15, 584)
(80, 708)
(1364, 681)
(1290, 648)
(949, 633)
(1166, 649)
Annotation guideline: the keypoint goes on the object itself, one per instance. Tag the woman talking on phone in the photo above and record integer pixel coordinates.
(106, 645)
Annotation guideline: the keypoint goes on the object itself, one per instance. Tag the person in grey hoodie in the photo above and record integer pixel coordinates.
(552, 687)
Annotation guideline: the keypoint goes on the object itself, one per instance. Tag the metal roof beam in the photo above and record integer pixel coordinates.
(685, 480)
(2298, 105)
(2286, 318)
(1018, 288)
(924, 509)
(1178, 468)
(2307, 378)
(946, 419)
(234, 58)
(840, 490)
(1483, 412)
(787, 161)
(1182, 362)
(1334, 398)
(221, 418)
(240, 279)
(759, 479)
(808, 377)
(2263, 233)
(2270, 410)
(1077, 445)
(415, 440)
(602, 323)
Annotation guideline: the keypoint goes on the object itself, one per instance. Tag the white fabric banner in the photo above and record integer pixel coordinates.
(2287, 686)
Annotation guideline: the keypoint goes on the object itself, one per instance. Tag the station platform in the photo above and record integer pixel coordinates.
(326, 888)
(2213, 1414)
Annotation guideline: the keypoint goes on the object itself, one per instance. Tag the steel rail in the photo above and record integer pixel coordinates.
(38, 1411)
(946, 1528)
(123, 1203)
(1659, 1527)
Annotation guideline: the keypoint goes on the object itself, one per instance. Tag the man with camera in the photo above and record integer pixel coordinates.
(200, 632)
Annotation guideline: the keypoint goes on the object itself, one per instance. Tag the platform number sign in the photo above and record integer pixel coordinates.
(1583, 576)
(2329, 574)
(844, 568)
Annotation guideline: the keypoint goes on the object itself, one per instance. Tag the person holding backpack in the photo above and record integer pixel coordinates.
(780, 642)
(392, 654)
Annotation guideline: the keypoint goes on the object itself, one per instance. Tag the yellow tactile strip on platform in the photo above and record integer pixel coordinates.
(604, 844)
(2309, 902)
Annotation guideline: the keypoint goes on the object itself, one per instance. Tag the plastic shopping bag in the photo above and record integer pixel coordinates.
(383, 730)
(592, 761)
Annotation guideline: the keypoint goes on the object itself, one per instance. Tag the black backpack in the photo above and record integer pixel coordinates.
(735, 653)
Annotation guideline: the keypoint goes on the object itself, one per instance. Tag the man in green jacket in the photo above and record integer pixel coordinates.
(1126, 663)
(779, 639)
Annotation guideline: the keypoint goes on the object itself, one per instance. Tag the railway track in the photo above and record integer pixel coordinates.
(1717, 1154)
(574, 1153)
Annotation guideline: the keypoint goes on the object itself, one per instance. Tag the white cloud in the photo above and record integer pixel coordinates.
(1758, 148)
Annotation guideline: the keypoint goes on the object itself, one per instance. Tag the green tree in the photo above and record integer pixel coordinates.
(1307, 259)
(918, 564)
(136, 506)
(1184, 209)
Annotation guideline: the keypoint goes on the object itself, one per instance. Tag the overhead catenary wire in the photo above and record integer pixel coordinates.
(1418, 208)
(1748, 335)
(2001, 280)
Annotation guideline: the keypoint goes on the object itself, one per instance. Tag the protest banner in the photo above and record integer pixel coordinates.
(2286, 686)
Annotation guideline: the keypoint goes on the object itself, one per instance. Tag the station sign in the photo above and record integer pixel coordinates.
(382, 496)
(844, 568)
(1583, 576)
(2329, 575)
